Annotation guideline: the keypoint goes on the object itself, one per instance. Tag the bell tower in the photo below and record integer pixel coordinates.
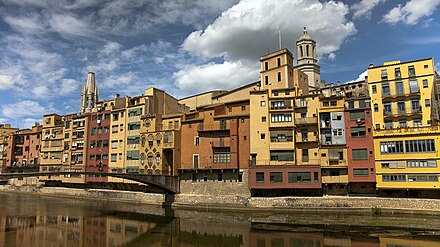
(307, 62)
(89, 95)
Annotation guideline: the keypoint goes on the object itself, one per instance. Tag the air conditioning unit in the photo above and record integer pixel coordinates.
(98, 121)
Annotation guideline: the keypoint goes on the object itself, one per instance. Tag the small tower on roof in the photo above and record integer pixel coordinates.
(307, 61)
(89, 95)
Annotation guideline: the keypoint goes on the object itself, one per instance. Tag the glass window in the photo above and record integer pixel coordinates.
(425, 83)
(360, 172)
(413, 86)
(427, 103)
(260, 177)
(298, 177)
(355, 115)
(385, 89)
(358, 132)
(399, 88)
(276, 177)
(262, 103)
(360, 154)
(374, 89)
(391, 147)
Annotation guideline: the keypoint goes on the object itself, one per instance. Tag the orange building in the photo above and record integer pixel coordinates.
(24, 149)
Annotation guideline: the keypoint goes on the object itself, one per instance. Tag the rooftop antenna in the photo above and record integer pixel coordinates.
(279, 37)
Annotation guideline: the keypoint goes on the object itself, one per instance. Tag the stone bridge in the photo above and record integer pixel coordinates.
(168, 184)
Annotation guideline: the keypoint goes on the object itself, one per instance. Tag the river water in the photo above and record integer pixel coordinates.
(28, 220)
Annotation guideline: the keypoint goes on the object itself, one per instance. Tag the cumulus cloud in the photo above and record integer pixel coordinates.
(364, 8)
(412, 12)
(332, 56)
(29, 122)
(26, 108)
(248, 29)
(361, 77)
(210, 76)
(4, 121)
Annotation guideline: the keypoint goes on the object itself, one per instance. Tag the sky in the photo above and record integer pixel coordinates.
(190, 46)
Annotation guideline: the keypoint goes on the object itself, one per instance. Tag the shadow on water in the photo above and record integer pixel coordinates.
(43, 221)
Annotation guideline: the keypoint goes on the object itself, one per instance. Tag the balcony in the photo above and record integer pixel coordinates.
(167, 145)
(305, 121)
(222, 126)
(401, 112)
(281, 108)
(309, 139)
(408, 131)
(400, 94)
(218, 142)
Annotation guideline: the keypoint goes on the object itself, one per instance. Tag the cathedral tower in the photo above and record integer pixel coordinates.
(89, 95)
(307, 62)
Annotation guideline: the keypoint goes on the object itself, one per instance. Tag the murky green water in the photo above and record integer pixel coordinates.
(27, 220)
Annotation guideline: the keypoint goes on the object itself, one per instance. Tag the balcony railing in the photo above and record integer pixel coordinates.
(398, 94)
(308, 120)
(214, 127)
(221, 142)
(408, 131)
(390, 112)
(285, 139)
(285, 107)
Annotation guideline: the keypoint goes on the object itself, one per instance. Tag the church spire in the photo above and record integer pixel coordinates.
(307, 59)
(89, 95)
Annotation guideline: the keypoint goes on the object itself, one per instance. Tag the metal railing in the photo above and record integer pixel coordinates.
(308, 120)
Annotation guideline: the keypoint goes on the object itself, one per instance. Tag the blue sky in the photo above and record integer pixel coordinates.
(189, 46)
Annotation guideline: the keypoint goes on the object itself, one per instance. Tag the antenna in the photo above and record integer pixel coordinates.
(279, 37)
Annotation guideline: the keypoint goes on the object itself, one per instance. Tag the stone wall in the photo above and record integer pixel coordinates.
(206, 183)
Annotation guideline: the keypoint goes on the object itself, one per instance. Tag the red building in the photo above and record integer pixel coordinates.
(360, 146)
(98, 145)
(24, 149)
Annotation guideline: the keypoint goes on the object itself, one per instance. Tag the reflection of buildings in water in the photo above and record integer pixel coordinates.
(120, 231)
(395, 242)
(59, 230)
(310, 239)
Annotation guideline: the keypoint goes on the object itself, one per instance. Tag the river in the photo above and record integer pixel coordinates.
(31, 220)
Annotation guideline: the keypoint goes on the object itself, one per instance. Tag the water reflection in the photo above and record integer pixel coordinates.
(54, 222)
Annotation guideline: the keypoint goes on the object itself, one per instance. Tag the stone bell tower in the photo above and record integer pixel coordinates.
(89, 95)
(307, 62)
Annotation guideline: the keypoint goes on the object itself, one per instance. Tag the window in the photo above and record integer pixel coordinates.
(427, 103)
(93, 130)
(157, 159)
(358, 132)
(423, 178)
(305, 155)
(415, 106)
(134, 112)
(115, 129)
(105, 144)
(196, 141)
(389, 124)
(387, 108)
(393, 178)
(302, 102)
(263, 119)
(417, 122)
(325, 103)
(425, 83)
(360, 154)
(133, 140)
(275, 93)
(263, 136)
(262, 103)
(355, 115)
(420, 146)
(399, 88)
(266, 65)
(92, 157)
(397, 72)
(421, 163)
(374, 89)
(150, 159)
(411, 71)
(376, 107)
(279, 76)
(425, 66)
(385, 165)
(391, 147)
(277, 118)
(413, 86)
(384, 74)
(266, 80)
(115, 116)
(401, 107)
(333, 103)
(221, 157)
(276, 177)
(114, 144)
(350, 104)
(298, 177)
(133, 155)
(287, 92)
(230, 109)
(278, 62)
(385, 89)
(134, 126)
(106, 129)
(260, 177)
(105, 157)
(282, 155)
(243, 108)
(114, 157)
(359, 172)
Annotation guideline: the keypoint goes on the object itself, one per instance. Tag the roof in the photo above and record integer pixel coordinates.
(394, 64)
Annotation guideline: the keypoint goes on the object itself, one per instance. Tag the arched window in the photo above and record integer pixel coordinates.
(143, 140)
(307, 50)
(301, 51)
(158, 138)
(150, 159)
(150, 140)
(157, 159)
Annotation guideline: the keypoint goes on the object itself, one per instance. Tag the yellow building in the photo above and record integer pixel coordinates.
(406, 136)
(52, 145)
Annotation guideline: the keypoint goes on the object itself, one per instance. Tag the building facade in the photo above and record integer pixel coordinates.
(24, 150)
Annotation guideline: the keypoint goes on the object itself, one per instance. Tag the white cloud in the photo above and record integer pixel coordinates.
(4, 120)
(8, 82)
(29, 122)
(210, 76)
(68, 86)
(364, 8)
(67, 24)
(437, 67)
(411, 12)
(332, 56)
(361, 77)
(247, 30)
(26, 108)
(26, 24)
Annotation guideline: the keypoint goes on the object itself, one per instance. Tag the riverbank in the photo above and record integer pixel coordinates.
(363, 205)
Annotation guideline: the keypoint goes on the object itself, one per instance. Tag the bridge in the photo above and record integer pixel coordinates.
(168, 184)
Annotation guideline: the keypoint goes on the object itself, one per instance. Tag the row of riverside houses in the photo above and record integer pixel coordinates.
(287, 134)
